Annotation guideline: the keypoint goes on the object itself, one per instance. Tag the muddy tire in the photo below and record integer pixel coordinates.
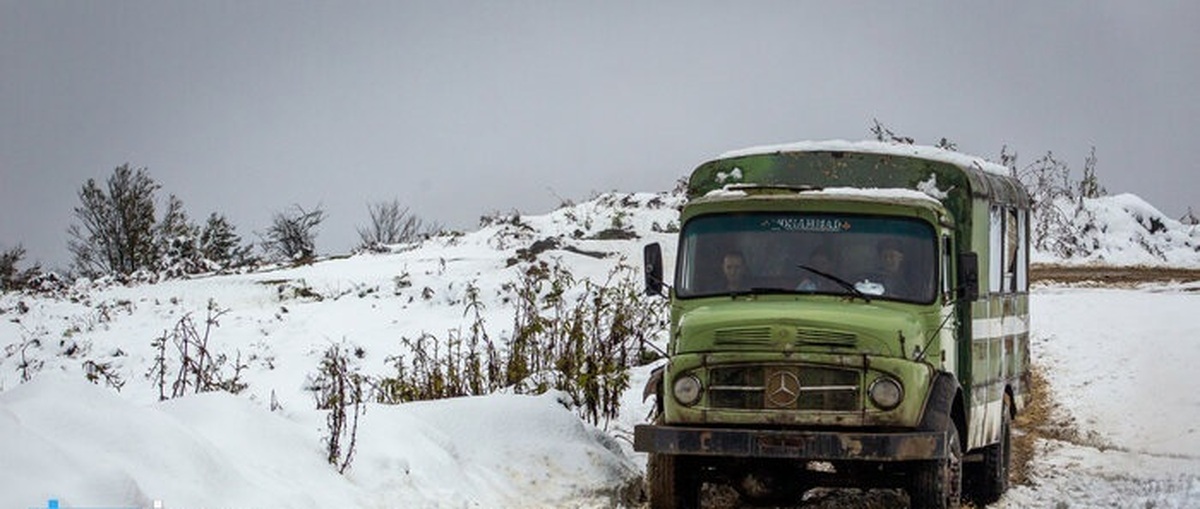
(990, 480)
(782, 493)
(938, 484)
(673, 483)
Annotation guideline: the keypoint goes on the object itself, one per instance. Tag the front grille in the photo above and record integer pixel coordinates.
(785, 388)
(825, 337)
(760, 336)
(742, 336)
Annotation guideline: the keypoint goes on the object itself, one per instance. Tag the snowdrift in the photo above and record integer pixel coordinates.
(1121, 230)
(88, 445)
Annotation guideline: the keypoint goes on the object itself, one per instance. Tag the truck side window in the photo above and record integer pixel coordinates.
(947, 251)
(1010, 250)
(1023, 251)
(995, 248)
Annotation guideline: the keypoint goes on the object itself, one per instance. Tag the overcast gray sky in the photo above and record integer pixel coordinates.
(463, 108)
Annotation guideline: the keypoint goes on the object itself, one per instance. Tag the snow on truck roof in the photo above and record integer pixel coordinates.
(884, 193)
(871, 193)
(875, 147)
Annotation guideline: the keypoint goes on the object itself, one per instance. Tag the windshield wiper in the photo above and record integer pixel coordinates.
(840, 282)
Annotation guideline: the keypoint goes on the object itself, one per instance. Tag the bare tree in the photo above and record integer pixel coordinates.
(1190, 218)
(1057, 223)
(12, 278)
(292, 236)
(116, 234)
(1089, 185)
(390, 224)
(1009, 160)
(882, 133)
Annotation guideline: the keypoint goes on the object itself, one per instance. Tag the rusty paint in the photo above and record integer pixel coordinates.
(852, 446)
(916, 447)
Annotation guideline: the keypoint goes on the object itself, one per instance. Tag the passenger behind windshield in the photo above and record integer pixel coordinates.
(821, 260)
(733, 267)
(892, 268)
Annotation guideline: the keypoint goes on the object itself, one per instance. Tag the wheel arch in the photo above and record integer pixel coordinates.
(946, 402)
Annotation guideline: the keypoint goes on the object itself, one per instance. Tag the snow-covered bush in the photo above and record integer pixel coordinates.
(1121, 230)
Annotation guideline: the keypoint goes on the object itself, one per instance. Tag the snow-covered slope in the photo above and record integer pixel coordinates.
(1120, 230)
(90, 446)
(86, 444)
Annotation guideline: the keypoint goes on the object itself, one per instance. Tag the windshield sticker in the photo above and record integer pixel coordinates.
(806, 224)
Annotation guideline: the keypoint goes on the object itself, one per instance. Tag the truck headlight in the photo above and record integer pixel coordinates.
(687, 390)
(886, 393)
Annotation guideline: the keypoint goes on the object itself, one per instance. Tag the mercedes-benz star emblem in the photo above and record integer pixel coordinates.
(782, 389)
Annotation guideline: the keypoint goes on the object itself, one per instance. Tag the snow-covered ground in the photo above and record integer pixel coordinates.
(1119, 362)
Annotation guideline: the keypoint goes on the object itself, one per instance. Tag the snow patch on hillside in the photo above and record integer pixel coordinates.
(1121, 230)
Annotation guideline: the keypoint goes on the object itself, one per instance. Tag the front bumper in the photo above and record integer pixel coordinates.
(806, 445)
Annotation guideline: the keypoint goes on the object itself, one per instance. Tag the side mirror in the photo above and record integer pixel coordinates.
(968, 276)
(652, 254)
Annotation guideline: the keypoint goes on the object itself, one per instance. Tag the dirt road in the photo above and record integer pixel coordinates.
(1110, 276)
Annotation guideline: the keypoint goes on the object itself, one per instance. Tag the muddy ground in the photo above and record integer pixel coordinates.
(1110, 276)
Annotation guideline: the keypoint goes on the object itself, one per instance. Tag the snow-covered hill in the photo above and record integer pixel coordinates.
(1121, 230)
(87, 444)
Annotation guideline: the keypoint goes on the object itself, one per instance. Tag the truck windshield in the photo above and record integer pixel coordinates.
(880, 257)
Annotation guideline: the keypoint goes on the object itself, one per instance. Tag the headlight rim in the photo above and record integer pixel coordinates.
(875, 398)
(676, 390)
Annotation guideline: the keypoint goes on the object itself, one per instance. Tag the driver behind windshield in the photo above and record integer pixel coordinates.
(733, 268)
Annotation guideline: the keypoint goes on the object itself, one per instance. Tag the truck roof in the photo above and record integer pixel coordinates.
(874, 198)
(948, 176)
(875, 147)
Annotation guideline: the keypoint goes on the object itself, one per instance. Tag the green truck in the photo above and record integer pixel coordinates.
(842, 314)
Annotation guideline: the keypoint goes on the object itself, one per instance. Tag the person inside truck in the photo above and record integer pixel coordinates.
(820, 259)
(733, 267)
(892, 268)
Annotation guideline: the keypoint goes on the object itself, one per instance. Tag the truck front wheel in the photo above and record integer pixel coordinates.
(938, 484)
(674, 482)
